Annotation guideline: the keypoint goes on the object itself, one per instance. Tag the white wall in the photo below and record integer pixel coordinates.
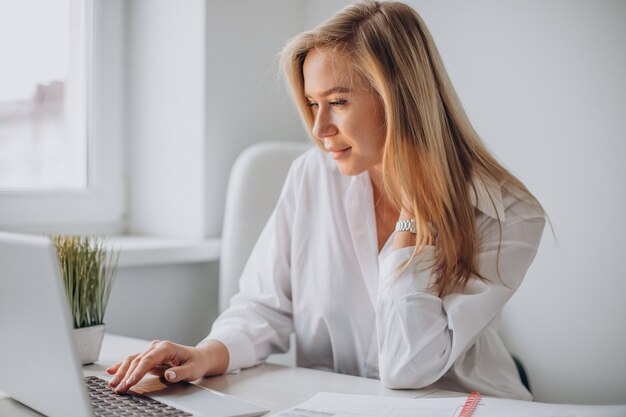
(166, 109)
(203, 85)
(175, 302)
(545, 85)
(247, 101)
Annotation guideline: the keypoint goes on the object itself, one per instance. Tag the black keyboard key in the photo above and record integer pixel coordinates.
(106, 403)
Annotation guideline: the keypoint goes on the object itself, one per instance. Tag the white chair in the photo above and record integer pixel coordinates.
(256, 180)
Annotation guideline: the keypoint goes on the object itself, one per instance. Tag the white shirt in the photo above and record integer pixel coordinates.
(316, 271)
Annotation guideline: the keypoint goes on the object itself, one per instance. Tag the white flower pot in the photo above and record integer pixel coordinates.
(88, 342)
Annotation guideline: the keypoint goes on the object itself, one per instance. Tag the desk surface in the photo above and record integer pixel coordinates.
(275, 387)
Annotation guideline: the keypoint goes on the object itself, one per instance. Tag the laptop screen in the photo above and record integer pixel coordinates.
(37, 353)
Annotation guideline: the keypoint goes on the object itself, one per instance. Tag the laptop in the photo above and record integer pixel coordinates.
(38, 362)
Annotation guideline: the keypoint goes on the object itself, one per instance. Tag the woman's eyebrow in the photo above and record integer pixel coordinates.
(330, 91)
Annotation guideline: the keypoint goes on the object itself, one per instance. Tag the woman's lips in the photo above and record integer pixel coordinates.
(338, 153)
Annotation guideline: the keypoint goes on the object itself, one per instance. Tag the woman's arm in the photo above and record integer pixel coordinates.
(420, 335)
(258, 322)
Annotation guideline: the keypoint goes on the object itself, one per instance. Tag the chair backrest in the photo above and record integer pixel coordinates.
(256, 180)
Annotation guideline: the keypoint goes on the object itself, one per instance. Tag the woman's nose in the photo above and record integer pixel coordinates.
(323, 125)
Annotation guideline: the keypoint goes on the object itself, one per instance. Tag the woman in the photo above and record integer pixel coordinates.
(391, 253)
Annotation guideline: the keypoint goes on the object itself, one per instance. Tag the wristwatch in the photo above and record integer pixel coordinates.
(407, 225)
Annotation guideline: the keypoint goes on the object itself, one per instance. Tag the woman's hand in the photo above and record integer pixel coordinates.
(170, 360)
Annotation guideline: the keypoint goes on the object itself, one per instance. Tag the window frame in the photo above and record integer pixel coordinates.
(100, 208)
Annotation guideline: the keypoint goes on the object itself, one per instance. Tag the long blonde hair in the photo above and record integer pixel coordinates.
(432, 152)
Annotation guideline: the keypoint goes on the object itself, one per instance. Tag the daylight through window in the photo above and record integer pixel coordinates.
(43, 95)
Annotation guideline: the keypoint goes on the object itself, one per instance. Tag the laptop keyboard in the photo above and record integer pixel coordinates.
(107, 403)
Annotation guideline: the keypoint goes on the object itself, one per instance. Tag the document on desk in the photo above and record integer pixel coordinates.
(325, 404)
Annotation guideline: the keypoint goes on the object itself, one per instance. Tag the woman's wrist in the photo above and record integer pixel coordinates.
(403, 239)
(406, 236)
(215, 356)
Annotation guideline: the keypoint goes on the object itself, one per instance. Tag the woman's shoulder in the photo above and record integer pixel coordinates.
(512, 220)
(503, 202)
(520, 205)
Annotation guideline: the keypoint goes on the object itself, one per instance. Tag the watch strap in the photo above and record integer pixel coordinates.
(407, 225)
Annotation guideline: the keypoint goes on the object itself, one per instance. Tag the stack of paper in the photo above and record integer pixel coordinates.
(325, 404)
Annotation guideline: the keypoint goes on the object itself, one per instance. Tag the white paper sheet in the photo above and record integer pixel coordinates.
(325, 404)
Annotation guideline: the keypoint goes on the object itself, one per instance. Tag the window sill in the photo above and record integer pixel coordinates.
(152, 251)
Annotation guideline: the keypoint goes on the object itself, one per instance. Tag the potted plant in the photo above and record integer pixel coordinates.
(88, 270)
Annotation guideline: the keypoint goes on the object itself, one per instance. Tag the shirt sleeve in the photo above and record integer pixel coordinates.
(420, 335)
(258, 321)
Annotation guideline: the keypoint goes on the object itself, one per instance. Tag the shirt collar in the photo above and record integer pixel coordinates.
(486, 195)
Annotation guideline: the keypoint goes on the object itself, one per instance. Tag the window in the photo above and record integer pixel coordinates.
(43, 96)
(61, 116)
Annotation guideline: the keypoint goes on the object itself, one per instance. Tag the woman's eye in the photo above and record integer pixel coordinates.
(332, 103)
(338, 103)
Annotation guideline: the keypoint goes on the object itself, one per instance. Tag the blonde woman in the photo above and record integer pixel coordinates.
(393, 247)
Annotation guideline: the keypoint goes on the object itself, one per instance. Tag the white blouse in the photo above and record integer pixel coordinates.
(316, 271)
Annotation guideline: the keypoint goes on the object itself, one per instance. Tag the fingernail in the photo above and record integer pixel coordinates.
(113, 381)
(170, 375)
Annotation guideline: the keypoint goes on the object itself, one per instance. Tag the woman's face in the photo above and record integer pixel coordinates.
(349, 115)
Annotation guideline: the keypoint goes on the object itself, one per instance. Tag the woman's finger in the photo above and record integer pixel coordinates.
(113, 369)
(159, 370)
(121, 370)
(145, 363)
(131, 368)
(128, 368)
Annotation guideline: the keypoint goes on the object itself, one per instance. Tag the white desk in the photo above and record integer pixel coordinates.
(275, 387)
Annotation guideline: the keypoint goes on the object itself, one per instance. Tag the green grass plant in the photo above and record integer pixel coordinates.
(88, 271)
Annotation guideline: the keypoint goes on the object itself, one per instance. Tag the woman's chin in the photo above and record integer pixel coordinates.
(348, 170)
